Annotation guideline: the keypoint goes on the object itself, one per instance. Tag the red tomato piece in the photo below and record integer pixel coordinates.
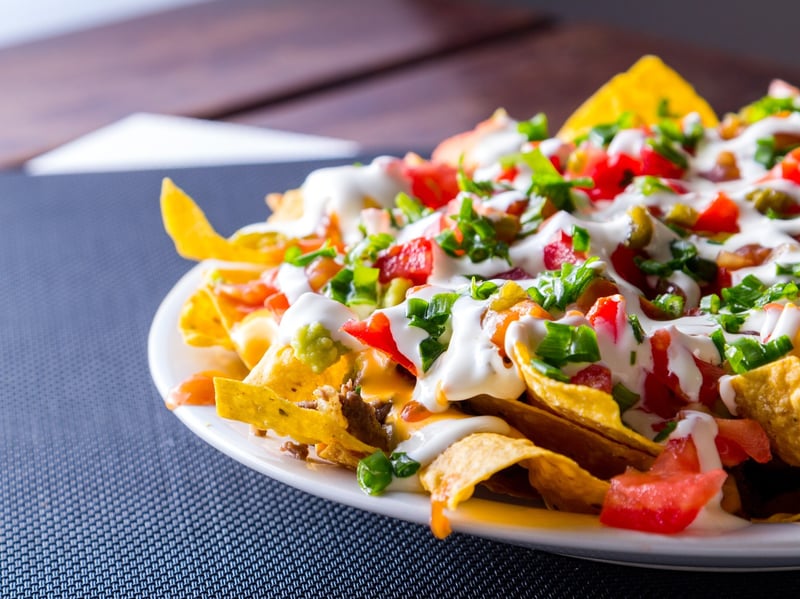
(559, 251)
(376, 332)
(657, 165)
(721, 216)
(433, 183)
(607, 316)
(412, 260)
(668, 497)
(790, 166)
(594, 375)
(509, 173)
(611, 174)
(740, 438)
(622, 259)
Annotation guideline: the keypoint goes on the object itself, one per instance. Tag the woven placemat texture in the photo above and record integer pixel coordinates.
(104, 493)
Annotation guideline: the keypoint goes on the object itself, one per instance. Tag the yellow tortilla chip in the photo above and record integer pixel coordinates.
(451, 478)
(196, 239)
(200, 323)
(266, 410)
(770, 395)
(594, 452)
(284, 373)
(641, 90)
(589, 407)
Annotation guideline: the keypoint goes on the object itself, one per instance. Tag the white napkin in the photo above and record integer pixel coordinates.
(147, 141)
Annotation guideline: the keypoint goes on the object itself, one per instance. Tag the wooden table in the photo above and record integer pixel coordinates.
(391, 74)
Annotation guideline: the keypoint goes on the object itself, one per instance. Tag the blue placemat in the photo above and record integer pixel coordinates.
(103, 492)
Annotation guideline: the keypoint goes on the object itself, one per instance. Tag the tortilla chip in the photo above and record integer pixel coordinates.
(592, 451)
(196, 239)
(641, 90)
(200, 323)
(285, 206)
(451, 478)
(586, 406)
(770, 395)
(263, 408)
(284, 373)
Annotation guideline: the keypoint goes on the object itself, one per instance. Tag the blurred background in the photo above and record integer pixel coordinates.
(96, 85)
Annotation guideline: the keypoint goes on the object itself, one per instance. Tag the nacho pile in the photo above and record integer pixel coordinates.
(604, 320)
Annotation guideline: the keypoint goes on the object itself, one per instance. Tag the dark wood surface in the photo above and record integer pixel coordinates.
(214, 59)
(389, 74)
(549, 71)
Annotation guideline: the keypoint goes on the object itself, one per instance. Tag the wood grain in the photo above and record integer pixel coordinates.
(551, 71)
(213, 59)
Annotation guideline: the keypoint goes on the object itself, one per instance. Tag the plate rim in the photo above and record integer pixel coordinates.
(566, 534)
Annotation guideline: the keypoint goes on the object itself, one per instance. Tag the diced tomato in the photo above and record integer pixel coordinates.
(668, 497)
(611, 174)
(740, 438)
(278, 303)
(433, 183)
(663, 395)
(509, 173)
(709, 387)
(376, 332)
(414, 411)
(790, 166)
(559, 251)
(607, 316)
(596, 376)
(657, 165)
(721, 216)
(622, 259)
(498, 321)
(412, 260)
(252, 293)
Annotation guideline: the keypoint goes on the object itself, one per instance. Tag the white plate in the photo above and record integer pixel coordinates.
(756, 547)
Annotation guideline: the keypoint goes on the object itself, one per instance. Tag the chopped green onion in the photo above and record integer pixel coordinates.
(478, 236)
(479, 188)
(731, 323)
(367, 249)
(648, 185)
(710, 303)
(766, 154)
(684, 258)
(535, 129)
(663, 111)
(549, 371)
(670, 303)
(548, 183)
(601, 135)
(747, 353)
(718, 337)
(792, 269)
(374, 473)
(580, 239)
(559, 288)
(638, 331)
(565, 343)
(769, 105)
(664, 147)
(431, 317)
(402, 465)
(295, 256)
(751, 293)
(665, 432)
(624, 397)
(481, 290)
(411, 208)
